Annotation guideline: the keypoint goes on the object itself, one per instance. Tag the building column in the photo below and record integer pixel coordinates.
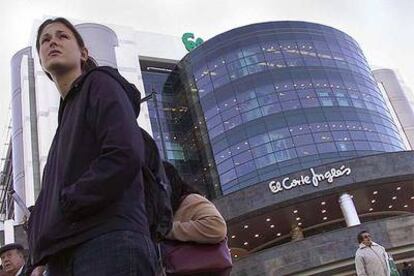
(8, 231)
(348, 210)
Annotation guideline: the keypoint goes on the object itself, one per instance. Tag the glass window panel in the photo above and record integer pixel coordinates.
(265, 160)
(245, 168)
(216, 131)
(345, 146)
(372, 136)
(225, 165)
(262, 150)
(285, 96)
(251, 49)
(246, 95)
(175, 155)
(219, 145)
(279, 134)
(294, 62)
(326, 101)
(229, 113)
(270, 109)
(253, 59)
(265, 90)
(290, 105)
(240, 147)
(217, 82)
(322, 137)
(282, 144)
(242, 157)
(326, 147)
(377, 146)
(212, 122)
(299, 130)
(306, 150)
(312, 61)
(300, 140)
(309, 102)
(232, 122)
(228, 176)
(306, 93)
(359, 145)
(343, 101)
(284, 155)
(259, 139)
(251, 115)
(258, 67)
(358, 135)
(272, 54)
(268, 99)
(341, 135)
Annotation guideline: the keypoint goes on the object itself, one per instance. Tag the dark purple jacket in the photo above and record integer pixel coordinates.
(92, 181)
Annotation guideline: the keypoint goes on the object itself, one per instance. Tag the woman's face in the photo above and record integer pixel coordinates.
(59, 51)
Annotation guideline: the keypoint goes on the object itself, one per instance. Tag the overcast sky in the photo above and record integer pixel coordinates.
(383, 28)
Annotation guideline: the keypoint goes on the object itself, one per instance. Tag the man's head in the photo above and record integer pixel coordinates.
(364, 237)
(12, 257)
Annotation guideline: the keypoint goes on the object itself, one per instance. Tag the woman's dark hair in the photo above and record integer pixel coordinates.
(360, 238)
(179, 188)
(87, 65)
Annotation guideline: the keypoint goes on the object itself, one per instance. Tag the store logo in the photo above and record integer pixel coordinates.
(314, 179)
(189, 42)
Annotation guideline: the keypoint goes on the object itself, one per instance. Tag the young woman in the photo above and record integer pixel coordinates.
(89, 218)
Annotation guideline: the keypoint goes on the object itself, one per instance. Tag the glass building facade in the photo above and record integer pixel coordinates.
(173, 126)
(273, 98)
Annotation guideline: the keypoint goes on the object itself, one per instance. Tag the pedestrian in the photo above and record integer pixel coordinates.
(296, 233)
(12, 259)
(196, 219)
(371, 259)
(89, 218)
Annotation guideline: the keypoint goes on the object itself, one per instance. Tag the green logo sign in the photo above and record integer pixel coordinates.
(190, 42)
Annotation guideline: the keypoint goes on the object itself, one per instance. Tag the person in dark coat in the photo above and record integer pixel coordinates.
(89, 218)
(12, 259)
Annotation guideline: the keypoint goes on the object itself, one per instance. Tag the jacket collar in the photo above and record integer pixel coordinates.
(361, 245)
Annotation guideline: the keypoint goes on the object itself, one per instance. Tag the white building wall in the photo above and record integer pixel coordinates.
(400, 102)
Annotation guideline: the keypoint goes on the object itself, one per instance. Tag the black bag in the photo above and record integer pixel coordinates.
(157, 191)
(156, 185)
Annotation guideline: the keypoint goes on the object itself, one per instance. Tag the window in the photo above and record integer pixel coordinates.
(265, 160)
(300, 140)
(306, 150)
(282, 144)
(326, 147)
(245, 168)
(262, 150)
(284, 155)
(228, 176)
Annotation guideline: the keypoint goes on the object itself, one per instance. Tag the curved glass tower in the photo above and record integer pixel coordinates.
(277, 97)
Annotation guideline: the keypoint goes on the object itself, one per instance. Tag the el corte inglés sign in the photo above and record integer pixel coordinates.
(313, 179)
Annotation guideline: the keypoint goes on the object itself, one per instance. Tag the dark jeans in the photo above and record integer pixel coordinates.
(121, 253)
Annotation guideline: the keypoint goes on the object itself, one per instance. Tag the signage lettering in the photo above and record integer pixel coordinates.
(189, 42)
(314, 179)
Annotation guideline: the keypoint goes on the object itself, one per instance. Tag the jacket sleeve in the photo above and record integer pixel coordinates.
(204, 225)
(360, 266)
(111, 117)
